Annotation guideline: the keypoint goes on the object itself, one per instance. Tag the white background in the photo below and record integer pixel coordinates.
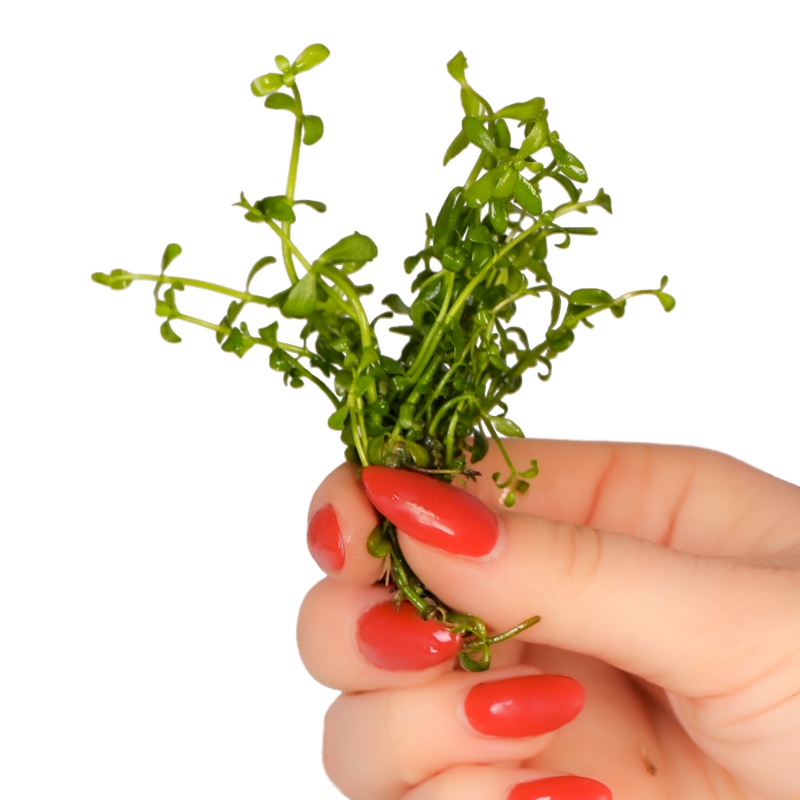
(153, 552)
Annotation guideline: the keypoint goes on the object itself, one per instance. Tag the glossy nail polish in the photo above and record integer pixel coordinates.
(562, 787)
(527, 705)
(399, 639)
(432, 511)
(325, 540)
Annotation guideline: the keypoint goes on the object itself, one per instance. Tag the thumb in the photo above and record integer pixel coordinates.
(694, 625)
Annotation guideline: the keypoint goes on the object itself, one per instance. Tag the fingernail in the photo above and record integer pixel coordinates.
(524, 706)
(563, 787)
(400, 639)
(432, 511)
(325, 540)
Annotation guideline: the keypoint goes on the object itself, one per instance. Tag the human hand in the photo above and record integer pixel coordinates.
(668, 581)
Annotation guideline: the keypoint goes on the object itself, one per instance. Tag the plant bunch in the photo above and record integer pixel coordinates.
(437, 403)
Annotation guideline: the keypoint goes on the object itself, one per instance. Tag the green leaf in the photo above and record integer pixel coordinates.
(505, 427)
(280, 100)
(282, 63)
(167, 334)
(163, 309)
(603, 200)
(447, 221)
(456, 66)
(234, 309)
(505, 186)
(419, 454)
(266, 84)
(560, 339)
(270, 334)
(569, 164)
(313, 55)
(355, 247)
(278, 361)
(395, 302)
(590, 297)
(313, 129)
(530, 110)
(171, 252)
(483, 188)
(498, 215)
(480, 446)
(472, 102)
(101, 278)
(538, 137)
(256, 268)
(456, 146)
(237, 343)
(378, 545)
(315, 204)
(117, 279)
(302, 298)
(666, 300)
(276, 207)
(479, 136)
(362, 385)
(502, 135)
(527, 195)
(342, 382)
(454, 258)
(336, 421)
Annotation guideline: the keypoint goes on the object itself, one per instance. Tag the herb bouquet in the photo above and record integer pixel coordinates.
(435, 407)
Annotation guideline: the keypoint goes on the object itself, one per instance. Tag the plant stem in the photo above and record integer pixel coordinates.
(291, 181)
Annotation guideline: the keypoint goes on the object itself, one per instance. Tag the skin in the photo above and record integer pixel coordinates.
(668, 581)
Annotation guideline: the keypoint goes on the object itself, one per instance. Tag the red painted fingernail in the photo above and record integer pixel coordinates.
(432, 511)
(325, 540)
(563, 787)
(398, 638)
(524, 706)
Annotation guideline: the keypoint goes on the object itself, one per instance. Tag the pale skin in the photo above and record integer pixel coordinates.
(668, 582)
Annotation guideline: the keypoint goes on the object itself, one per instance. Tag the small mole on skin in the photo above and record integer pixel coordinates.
(648, 764)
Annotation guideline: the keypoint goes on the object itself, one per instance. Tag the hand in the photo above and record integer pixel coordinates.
(668, 582)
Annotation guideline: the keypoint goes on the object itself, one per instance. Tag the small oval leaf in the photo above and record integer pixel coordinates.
(506, 427)
(569, 164)
(167, 334)
(302, 298)
(281, 101)
(530, 110)
(479, 136)
(313, 128)
(355, 247)
(590, 297)
(266, 84)
(313, 55)
(171, 252)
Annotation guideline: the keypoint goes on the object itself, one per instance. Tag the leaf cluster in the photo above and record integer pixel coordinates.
(436, 405)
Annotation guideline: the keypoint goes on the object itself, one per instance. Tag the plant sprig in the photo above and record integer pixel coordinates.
(435, 407)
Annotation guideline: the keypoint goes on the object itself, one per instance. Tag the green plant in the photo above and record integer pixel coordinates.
(435, 406)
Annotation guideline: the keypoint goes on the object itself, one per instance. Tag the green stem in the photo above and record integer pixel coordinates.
(211, 287)
(357, 426)
(444, 408)
(291, 181)
(288, 243)
(313, 378)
